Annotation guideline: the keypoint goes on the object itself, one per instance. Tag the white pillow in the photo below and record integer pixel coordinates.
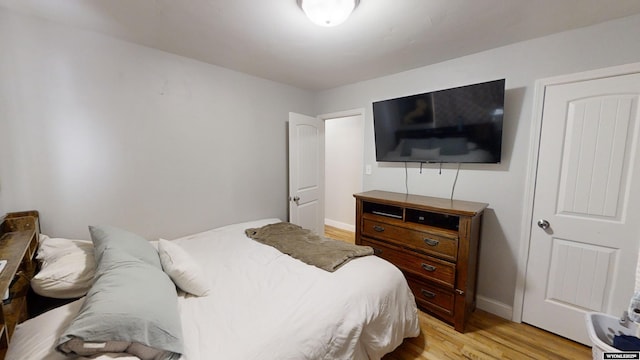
(67, 268)
(185, 272)
(50, 249)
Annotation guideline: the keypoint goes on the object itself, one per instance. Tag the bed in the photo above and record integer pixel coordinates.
(263, 304)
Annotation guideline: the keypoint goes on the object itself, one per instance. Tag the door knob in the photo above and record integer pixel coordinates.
(543, 224)
(296, 199)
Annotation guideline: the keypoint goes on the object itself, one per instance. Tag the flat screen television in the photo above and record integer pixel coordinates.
(457, 125)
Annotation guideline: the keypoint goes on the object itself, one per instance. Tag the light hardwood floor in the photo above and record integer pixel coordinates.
(486, 337)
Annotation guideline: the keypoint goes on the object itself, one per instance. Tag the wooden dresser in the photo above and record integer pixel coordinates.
(19, 234)
(433, 241)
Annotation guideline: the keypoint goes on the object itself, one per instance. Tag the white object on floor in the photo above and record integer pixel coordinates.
(602, 328)
(637, 275)
(634, 308)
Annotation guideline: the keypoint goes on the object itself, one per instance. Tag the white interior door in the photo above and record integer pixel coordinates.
(306, 172)
(587, 197)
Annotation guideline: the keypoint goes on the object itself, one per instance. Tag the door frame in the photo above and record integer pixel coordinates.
(340, 114)
(343, 114)
(532, 166)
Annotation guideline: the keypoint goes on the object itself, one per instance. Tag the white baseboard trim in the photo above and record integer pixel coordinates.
(340, 225)
(494, 307)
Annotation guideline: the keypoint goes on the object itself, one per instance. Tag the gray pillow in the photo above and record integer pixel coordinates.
(132, 307)
(133, 244)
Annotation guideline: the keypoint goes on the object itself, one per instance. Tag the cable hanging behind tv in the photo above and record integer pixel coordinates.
(457, 125)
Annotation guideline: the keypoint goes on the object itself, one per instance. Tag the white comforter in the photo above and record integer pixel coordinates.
(266, 305)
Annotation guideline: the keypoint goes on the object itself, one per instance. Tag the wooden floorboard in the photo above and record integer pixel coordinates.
(339, 234)
(487, 336)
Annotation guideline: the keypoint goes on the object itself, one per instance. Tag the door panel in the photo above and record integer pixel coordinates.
(584, 272)
(594, 159)
(586, 259)
(306, 172)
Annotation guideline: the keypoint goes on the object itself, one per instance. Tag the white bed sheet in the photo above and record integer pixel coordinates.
(266, 305)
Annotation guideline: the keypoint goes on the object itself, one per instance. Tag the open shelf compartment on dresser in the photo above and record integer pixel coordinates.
(434, 242)
(19, 232)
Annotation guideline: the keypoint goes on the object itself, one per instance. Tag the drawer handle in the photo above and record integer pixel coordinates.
(431, 242)
(427, 293)
(378, 228)
(427, 267)
(376, 251)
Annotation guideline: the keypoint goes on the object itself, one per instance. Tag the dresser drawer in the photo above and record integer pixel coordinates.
(432, 297)
(432, 244)
(432, 269)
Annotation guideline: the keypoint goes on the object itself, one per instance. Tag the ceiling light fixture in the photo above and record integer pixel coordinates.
(328, 12)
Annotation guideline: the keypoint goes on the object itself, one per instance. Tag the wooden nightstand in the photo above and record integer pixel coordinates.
(19, 234)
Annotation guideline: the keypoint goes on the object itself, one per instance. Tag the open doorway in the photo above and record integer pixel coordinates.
(344, 152)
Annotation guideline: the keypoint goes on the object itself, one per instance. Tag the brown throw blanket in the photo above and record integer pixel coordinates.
(304, 245)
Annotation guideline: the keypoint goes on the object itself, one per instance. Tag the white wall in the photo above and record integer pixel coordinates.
(502, 186)
(95, 130)
(343, 169)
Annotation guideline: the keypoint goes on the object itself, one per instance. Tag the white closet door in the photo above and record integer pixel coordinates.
(586, 214)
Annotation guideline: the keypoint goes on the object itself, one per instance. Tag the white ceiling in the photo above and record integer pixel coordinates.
(273, 39)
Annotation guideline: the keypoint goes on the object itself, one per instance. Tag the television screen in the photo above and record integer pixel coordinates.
(458, 125)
